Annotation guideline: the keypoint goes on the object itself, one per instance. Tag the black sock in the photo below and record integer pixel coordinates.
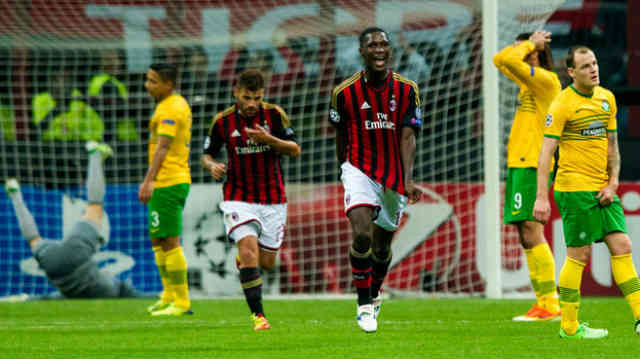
(361, 272)
(379, 271)
(252, 286)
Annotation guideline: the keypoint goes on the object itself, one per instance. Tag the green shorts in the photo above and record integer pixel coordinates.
(165, 210)
(520, 194)
(585, 221)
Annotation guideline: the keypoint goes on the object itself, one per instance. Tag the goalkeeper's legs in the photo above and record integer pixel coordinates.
(27, 224)
(96, 182)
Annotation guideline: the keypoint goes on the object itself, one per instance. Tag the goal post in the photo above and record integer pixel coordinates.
(492, 143)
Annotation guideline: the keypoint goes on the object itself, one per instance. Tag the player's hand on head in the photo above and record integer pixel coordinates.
(540, 38)
(541, 210)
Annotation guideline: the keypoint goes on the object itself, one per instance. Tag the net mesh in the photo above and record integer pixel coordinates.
(74, 70)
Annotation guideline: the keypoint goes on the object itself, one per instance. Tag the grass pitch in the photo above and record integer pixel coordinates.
(408, 328)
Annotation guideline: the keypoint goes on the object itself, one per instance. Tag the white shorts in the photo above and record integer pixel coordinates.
(360, 190)
(265, 221)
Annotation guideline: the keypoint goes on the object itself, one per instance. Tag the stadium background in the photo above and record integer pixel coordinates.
(60, 46)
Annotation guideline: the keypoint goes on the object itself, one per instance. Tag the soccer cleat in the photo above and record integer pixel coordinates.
(104, 149)
(12, 186)
(537, 314)
(260, 322)
(584, 332)
(366, 318)
(159, 305)
(637, 327)
(377, 303)
(173, 310)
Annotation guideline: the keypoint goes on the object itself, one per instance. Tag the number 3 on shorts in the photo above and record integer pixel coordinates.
(517, 200)
(155, 220)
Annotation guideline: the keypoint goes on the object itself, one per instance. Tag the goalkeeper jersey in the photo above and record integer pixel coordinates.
(172, 118)
(581, 123)
(538, 88)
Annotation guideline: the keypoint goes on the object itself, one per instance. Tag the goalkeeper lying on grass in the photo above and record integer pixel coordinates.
(69, 263)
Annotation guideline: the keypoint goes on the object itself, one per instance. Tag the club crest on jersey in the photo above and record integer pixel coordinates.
(605, 106)
(549, 120)
(334, 116)
(392, 103)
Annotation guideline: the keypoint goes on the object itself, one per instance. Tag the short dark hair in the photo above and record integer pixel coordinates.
(166, 71)
(251, 79)
(523, 36)
(371, 30)
(571, 58)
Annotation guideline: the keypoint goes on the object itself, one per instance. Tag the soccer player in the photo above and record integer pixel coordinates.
(255, 134)
(529, 64)
(166, 185)
(69, 263)
(582, 119)
(376, 113)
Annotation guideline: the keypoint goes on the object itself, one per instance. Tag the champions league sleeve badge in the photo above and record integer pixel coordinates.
(334, 116)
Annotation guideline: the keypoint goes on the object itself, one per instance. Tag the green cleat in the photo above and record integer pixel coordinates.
(172, 310)
(159, 305)
(104, 149)
(637, 327)
(12, 186)
(584, 332)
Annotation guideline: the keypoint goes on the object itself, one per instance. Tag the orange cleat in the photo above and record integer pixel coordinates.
(260, 322)
(537, 314)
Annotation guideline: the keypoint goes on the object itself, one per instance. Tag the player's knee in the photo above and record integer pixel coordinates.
(381, 253)
(247, 255)
(620, 246)
(267, 263)
(361, 242)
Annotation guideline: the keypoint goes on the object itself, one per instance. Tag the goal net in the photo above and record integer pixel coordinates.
(74, 70)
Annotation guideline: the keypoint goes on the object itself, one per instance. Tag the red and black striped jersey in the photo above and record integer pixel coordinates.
(254, 173)
(371, 119)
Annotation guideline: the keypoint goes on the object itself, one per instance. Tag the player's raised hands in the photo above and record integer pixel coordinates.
(539, 38)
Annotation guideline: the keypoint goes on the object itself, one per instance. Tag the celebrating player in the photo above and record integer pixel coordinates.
(166, 186)
(528, 63)
(582, 119)
(255, 134)
(69, 263)
(376, 113)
